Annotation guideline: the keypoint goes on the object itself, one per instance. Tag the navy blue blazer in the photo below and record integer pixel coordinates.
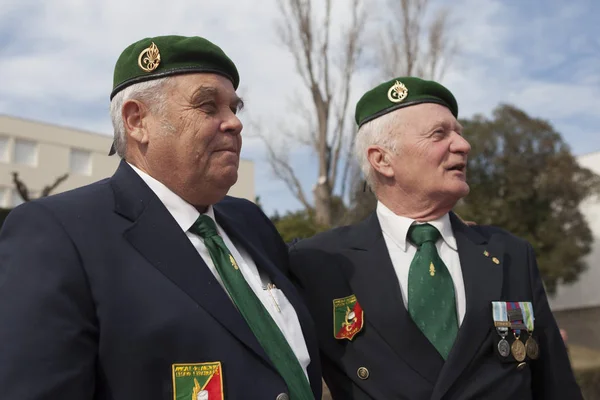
(402, 363)
(101, 292)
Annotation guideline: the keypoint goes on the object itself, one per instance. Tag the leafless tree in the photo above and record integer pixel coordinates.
(326, 68)
(410, 44)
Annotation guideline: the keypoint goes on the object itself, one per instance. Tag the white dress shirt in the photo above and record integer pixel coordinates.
(402, 252)
(273, 300)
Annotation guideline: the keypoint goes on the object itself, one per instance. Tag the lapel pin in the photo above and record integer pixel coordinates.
(233, 263)
(495, 260)
(486, 253)
(431, 269)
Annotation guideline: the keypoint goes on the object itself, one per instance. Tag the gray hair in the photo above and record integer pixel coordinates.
(382, 131)
(151, 93)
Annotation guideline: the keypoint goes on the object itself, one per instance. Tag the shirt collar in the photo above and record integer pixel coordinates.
(183, 212)
(396, 227)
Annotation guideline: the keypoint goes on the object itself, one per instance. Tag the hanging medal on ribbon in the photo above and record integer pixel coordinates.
(531, 345)
(515, 316)
(502, 324)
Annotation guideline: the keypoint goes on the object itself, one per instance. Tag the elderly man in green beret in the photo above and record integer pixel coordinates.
(412, 303)
(153, 284)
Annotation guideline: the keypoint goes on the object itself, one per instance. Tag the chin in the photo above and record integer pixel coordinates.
(228, 178)
(458, 190)
(463, 190)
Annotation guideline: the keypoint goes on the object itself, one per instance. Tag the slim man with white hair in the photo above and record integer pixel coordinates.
(412, 303)
(153, 284)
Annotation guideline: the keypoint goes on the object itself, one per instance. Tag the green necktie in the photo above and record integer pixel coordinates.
(257, 317)
(431, 301)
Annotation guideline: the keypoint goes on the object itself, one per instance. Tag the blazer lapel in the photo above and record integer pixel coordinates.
(156, 236)
(373, 279)
(481, 263)
(242, 234)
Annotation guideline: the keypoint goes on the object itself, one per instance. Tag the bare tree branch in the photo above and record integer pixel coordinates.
(406, 50)
(352, 52)
(21, 187)
(281, 167)
(50, 188)
(317, 51)
(279, 162)
(325, 52)
(24, 191)
(349, 163)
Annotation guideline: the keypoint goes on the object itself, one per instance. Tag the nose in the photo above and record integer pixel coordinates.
(460, 144)
(232, 124)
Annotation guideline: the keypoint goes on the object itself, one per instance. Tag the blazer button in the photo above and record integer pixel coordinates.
(283, 396)
(363, 373)
(521, 366)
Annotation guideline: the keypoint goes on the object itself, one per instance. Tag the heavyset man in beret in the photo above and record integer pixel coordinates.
(153, 284)
(412, 303)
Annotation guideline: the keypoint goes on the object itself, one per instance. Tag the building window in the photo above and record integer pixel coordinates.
(25, 152)
(3, 148)
(15, 198)
(80, 162)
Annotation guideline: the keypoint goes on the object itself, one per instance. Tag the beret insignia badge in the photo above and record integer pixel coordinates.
(397, 92)
(149, 58)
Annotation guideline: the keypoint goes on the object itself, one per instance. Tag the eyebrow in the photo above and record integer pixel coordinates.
(239, 103)
(204, 93)
(446, 124)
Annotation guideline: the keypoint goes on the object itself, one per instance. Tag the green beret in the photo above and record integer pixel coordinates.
(402, 92)
(157, 57)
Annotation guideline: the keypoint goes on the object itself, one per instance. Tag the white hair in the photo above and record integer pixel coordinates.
(382, 131)
(151, 93)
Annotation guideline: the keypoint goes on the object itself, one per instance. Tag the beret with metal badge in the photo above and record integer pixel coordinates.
(402, 92)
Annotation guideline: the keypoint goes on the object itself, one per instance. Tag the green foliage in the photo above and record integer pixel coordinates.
(303, 224)
(297, 225)
(524, 179)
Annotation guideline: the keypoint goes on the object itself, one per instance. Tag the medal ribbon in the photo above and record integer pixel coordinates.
(499, 314)
(528, 314)
(516, 323)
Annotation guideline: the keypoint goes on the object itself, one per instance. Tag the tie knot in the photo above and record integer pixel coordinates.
(419, 234)
(205, 227)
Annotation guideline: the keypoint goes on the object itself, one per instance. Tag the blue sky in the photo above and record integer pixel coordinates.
(56, 61)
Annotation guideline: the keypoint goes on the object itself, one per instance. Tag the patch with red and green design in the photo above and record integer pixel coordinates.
(203, 381)
(348, 317)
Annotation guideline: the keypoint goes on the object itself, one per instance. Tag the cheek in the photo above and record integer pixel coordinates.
(438, 155)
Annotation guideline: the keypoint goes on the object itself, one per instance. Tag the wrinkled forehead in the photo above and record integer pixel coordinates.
(427, 116)
(214, 82)
(204, 86)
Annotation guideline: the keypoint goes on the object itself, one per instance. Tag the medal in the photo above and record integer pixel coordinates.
(501, 323)
(515, 315)
(533, 351)
(503, 348)
(531, 346)
(518, 349)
